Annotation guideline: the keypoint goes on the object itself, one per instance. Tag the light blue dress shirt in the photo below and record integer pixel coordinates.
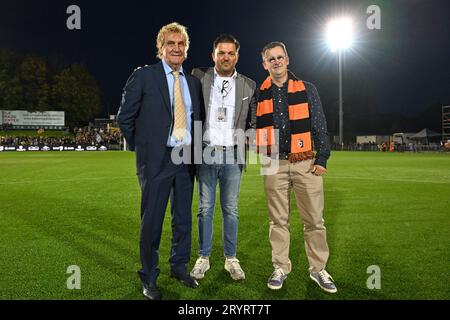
(171, 142)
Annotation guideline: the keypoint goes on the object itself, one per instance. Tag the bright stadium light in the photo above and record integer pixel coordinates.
(339, 36)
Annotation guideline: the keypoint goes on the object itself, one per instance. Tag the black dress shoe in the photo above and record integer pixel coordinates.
(185, 279)
(151, 292)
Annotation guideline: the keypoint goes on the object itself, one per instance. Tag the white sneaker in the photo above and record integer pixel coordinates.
(235, 270)
(200, 268)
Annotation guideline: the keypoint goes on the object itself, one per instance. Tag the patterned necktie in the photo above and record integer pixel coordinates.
(179, 127)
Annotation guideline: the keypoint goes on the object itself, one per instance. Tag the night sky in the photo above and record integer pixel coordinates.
(402, 68)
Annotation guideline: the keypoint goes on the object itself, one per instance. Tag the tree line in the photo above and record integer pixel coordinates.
(28, 82)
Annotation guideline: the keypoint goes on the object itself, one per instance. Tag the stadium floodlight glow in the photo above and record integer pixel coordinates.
(340, 33)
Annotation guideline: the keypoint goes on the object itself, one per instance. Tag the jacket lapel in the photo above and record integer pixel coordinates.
(163, 87)
(207, 82)
(194, 100)
(239, 97)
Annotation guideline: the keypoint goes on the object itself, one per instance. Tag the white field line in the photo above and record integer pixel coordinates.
(66, 180)
(244, 175)
(374, 179)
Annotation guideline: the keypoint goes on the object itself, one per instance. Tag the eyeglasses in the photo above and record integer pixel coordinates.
(273, 59)
(225, 88)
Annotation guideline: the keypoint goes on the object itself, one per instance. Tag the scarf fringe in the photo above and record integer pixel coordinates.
(293, 157)
(301, 156)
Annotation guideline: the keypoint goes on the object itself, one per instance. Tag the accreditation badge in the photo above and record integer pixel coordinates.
(221, 115)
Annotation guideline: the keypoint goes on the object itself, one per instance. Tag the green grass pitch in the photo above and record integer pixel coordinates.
(62, 209)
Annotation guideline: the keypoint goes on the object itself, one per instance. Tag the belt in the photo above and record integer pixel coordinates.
(222, 148)
(284, 156)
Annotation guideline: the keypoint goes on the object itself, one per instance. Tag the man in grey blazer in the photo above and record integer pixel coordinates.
(228, 98)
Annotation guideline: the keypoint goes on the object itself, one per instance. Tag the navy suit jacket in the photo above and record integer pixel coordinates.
(145, 115)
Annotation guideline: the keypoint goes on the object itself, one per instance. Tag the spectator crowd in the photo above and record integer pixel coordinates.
(84, 137)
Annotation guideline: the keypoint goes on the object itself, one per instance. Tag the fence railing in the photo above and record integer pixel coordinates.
(397, 148)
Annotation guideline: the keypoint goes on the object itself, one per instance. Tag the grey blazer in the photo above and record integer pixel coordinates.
(245, 97)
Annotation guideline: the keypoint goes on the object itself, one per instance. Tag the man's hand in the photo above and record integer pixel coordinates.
(318, 170)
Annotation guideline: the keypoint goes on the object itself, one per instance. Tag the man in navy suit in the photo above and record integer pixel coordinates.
(159, 106)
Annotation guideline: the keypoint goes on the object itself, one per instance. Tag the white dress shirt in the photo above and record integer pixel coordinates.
(221, 111)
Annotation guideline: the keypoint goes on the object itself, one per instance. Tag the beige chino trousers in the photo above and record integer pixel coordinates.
(308, 189)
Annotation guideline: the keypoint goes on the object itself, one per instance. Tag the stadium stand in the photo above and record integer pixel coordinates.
(84, 137)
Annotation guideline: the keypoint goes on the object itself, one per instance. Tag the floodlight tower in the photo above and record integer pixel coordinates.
(339, 38)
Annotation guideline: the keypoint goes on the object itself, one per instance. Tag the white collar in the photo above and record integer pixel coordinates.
(233, 76)
(168, 69)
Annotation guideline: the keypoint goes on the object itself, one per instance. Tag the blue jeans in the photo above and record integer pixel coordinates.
(229, 177)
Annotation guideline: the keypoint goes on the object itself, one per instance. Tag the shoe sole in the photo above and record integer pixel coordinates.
(184, 282)
(149, 298)
(273, 287)
(325, 289)
(199, 276)
(233, 277)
